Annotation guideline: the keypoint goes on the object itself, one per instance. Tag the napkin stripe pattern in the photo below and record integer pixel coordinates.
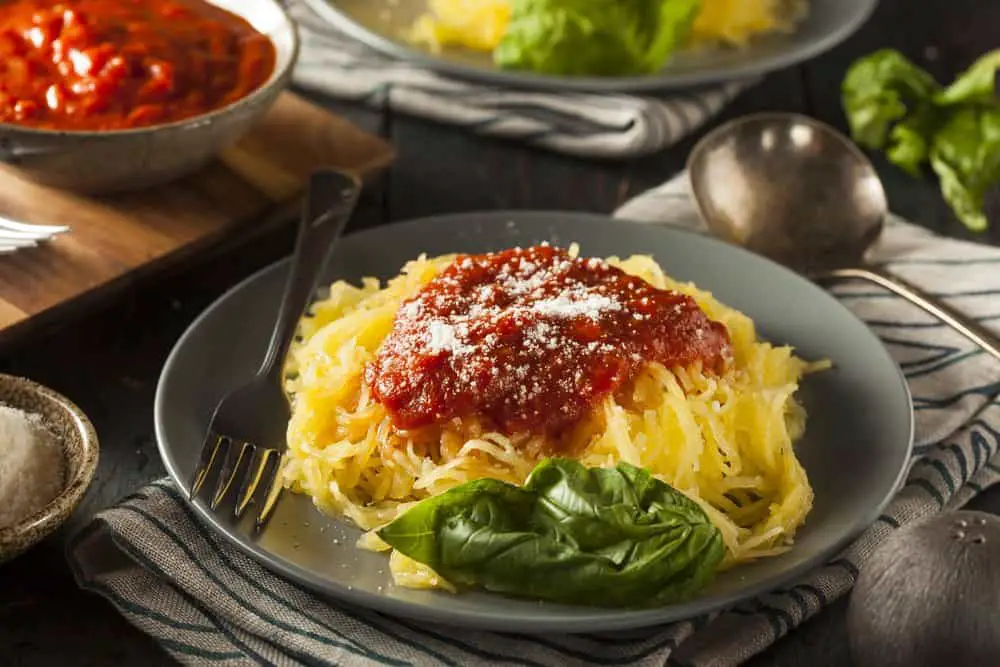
(141, 615)
(239, 649)
(174, 578)
(327, 636)
(600, 126)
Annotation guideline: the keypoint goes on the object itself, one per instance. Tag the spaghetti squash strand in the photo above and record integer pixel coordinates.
(480, 25)
(726, 442)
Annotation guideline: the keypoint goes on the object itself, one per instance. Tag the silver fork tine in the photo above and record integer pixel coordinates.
(18, 234)
(252, 478)
(209, 452)
(230, 467)
(43, 230)
(274, 488)
(14, 244)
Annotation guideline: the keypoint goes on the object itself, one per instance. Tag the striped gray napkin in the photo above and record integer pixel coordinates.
(588, 125)
(205, 601)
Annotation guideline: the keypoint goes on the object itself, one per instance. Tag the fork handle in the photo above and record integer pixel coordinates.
(330, 201)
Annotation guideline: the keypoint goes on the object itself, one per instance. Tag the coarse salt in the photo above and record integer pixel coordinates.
(32, 466)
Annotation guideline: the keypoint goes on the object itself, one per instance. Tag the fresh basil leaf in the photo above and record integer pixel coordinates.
(673, 26)
(893, 105)
(879, 90)
(966, 157)
(594, 37)
(606, 537)
(976, 85)
(908, 146)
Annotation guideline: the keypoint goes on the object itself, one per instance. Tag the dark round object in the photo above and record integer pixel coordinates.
(930, 596)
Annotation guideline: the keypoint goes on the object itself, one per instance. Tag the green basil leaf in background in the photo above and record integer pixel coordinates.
(879, 90)
(908, 146)
(673, 26)
(893, 105)
(966, 158)
(594, 37)
(976, 85)
(554, 37)
(606, 537)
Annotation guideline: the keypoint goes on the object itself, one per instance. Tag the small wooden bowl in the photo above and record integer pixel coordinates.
(76, 435)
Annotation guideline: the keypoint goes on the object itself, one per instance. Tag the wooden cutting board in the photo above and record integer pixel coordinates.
(116, 240)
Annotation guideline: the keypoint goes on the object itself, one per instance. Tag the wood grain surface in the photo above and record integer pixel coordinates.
(117, 240)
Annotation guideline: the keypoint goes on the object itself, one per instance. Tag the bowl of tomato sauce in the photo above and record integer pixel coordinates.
(101, 96)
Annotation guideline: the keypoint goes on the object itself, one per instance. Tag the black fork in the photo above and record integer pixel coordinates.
(248, 429)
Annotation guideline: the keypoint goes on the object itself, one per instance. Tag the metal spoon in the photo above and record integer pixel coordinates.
(797, 191)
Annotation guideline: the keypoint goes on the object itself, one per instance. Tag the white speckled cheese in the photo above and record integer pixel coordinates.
(31, 465)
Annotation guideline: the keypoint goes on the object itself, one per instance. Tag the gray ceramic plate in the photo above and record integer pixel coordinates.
(382, 25)
(855, 450)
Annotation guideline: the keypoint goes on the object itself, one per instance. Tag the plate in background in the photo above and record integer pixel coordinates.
(855, 450)
(381, 24)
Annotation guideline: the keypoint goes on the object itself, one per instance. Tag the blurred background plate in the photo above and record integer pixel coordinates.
(382, 25)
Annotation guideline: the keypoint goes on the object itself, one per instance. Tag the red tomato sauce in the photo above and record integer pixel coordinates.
(531, 340)
(119, 64)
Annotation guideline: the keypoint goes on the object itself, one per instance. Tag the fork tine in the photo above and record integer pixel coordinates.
(252, 478)
(209, 451)
(13, 225)
(230, 467)
(14, 244)
(274, 487)
(35, 235)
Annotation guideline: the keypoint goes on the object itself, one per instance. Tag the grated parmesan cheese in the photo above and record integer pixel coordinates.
(443, 339)
(569, 304)
(32, 466)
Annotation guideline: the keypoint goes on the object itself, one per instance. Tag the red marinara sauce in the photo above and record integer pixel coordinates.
(119, 64)
(531, 339)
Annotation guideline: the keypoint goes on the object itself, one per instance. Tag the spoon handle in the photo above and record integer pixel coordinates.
(963, 324)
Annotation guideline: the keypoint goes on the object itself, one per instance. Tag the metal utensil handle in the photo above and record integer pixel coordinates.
(964, 325)
(330, 201)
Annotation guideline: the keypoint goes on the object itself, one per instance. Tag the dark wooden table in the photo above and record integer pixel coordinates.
(108, 362)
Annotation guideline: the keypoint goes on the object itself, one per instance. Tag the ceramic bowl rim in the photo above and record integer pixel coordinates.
(59, 508)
